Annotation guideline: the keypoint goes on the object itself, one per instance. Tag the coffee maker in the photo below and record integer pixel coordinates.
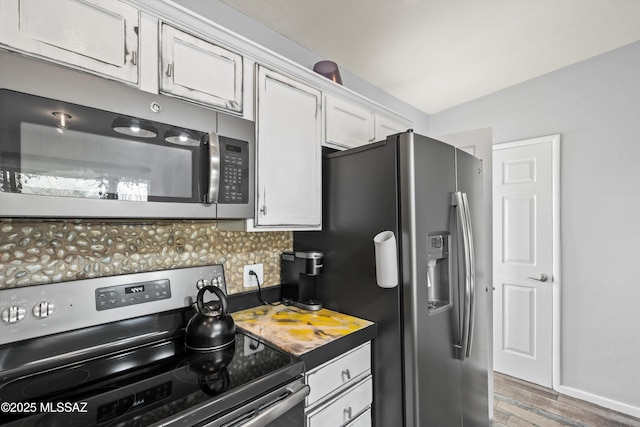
(298, 277)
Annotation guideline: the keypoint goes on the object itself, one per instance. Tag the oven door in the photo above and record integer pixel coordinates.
(283, 407)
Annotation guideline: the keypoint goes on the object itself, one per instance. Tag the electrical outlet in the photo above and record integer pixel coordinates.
(251, 345)
(250, 280)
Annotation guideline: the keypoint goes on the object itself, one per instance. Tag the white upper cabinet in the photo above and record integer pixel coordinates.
(200, 71)
(386, 126)
(100, 36)
(350, 124)
(289, 153)
(347, 124)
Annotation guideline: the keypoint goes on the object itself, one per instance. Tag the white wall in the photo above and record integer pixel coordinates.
(230, 18)
(595, 106)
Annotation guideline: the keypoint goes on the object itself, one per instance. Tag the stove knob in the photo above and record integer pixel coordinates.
(13, 314)
(201, 283)
(43, 309)
(216, 281)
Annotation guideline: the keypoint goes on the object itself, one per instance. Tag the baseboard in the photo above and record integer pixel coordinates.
(633, 411)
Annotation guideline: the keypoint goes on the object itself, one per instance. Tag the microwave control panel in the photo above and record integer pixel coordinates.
(234, 171)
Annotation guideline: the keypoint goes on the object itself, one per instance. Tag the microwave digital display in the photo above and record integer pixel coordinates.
(234, 148)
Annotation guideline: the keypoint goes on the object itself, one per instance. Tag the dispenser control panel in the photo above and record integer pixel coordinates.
(437, 246)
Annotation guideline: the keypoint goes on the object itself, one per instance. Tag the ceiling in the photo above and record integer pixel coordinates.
(435, 54)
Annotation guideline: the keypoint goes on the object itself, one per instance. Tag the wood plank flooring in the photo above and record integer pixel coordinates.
(518, 403)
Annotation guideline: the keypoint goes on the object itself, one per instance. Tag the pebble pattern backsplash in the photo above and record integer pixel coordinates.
(40, 252)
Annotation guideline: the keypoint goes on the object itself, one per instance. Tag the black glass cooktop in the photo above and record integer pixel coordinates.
(154, 382)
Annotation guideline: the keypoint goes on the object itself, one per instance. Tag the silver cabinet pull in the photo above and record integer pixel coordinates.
(263, 209)
(348, 413)
(541, 278)
(169, 70)
(134, 57)
(346, 373)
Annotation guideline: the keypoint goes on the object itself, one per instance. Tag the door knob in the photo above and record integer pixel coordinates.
(541, 278)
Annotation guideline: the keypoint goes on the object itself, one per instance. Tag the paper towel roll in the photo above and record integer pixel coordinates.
(386, 259)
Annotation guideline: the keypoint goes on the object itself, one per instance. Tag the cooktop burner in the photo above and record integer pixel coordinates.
(124, 388)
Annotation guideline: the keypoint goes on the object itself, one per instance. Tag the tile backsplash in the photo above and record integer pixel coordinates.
(40, 252)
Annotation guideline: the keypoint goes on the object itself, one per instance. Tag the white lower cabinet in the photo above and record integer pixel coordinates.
(341, 391)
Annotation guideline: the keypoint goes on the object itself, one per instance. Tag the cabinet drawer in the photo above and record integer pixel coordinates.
(363, 420)
(338, 373)
(344, 408)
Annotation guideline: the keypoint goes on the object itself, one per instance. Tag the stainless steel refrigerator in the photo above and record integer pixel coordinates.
(430, 357)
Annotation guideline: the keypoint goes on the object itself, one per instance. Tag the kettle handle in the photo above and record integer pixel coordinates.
(220, 294)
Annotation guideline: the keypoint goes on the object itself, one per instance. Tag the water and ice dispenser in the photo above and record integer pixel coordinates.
(438, 271)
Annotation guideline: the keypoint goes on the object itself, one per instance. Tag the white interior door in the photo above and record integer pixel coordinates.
(524, 267)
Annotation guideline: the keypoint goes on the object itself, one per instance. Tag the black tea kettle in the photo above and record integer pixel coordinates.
(207, 331)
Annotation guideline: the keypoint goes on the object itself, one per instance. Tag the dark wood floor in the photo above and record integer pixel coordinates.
(518, 403)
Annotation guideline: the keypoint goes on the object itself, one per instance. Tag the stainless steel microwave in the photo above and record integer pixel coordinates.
(64, 160)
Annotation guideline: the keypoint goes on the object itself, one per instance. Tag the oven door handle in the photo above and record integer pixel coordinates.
(298, 392)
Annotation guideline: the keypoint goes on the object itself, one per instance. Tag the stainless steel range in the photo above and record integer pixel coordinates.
(110, 352)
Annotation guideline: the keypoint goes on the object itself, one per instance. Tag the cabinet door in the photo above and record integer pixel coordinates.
(347, 125)
(194, 69)
(100, 36)
(386, 126)
(289, 150)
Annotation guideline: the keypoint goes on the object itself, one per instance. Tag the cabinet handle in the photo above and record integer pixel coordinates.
(347, 412)
(263, 209)
(169, 70)
(134, 57)
(346, 373)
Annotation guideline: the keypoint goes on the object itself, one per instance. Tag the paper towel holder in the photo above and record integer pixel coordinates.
(386, 253)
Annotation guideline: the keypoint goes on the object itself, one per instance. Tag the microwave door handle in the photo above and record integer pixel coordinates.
(214, 168)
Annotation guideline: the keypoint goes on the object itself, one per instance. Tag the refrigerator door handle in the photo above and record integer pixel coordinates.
(466, 309)
(472, 275)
